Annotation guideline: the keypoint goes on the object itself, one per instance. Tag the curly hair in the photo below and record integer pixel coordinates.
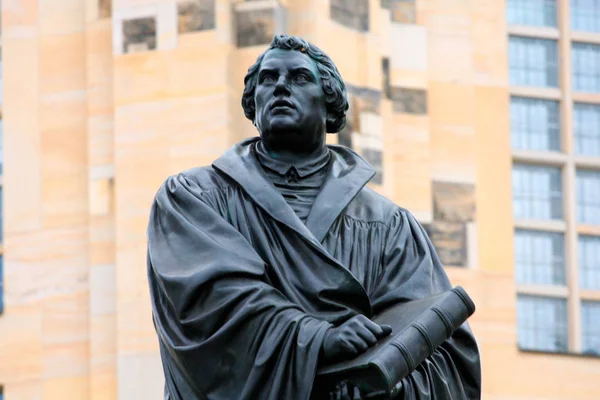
(331, 81)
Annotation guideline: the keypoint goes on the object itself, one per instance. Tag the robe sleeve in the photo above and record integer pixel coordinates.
(412, 270)
(224, 331)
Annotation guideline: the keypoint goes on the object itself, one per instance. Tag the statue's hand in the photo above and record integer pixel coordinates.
(342, 392)
(352, 338)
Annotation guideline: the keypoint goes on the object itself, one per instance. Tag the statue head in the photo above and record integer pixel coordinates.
(294, 94)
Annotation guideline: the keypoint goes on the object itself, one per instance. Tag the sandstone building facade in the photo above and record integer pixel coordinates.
(482, 117)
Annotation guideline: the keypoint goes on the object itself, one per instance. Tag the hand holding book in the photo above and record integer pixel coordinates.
(352, 338)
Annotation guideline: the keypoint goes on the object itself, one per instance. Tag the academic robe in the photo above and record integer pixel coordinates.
(243, 292)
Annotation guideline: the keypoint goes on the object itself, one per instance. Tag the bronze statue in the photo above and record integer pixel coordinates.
(271, 261)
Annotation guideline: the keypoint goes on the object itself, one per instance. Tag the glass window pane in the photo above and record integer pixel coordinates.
(585, 15)
(589, 262)
(542, 323)
(590, 327)
(533, 62)
(531, 12)
(537, 192)
(534, 124)
(586, 128)
(586, 67)
(539, 257)
(588, 197)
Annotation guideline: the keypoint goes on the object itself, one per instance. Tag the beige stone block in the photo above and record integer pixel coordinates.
(451, 103)
(102, 240)
(19, 19)
(68, 388)
(102, 289)
(191, 72)
(21, 91)
(409, 79)
(100, 196)
(26, 390)
(409, 47)
(61, 61)
(490, 46)
(450, 48)
(61, 17)
(140, 376)
(100, 130)
(20, 339)
(494, 190)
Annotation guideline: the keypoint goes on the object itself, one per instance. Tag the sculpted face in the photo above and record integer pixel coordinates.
(290, 104)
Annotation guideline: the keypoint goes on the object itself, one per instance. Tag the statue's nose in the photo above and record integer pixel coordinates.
(281, 87)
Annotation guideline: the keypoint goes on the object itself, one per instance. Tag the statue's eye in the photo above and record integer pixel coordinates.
(267, 79)
(301, 79)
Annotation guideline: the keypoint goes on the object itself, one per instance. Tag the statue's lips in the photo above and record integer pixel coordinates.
(281, 105)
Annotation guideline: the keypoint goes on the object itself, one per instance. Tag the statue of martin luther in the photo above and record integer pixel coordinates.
(270, 262)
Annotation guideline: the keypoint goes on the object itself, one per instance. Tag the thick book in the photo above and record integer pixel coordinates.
(418, 328)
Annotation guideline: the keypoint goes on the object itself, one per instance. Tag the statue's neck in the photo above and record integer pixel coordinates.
(295, 156)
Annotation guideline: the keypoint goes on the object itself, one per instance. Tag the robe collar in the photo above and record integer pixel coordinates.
(302, 169)
(347, 175)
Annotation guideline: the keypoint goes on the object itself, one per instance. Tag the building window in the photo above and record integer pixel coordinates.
(539, 257)
(585, 15)
(531, 12)
(588, 197)
(534, 124)
(590, 320)
(586, 67)
(533, 62)
(139, 34)
(195, 15)
(542, 323)
(586, 129)
(537, 192)
(589, 265)
(351, 13)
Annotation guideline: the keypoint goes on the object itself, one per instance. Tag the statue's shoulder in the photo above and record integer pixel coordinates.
(205, 178)
(370, 206)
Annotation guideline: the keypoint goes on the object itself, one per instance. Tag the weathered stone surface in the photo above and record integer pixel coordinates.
(255, 27)
(365, 99)
(410, 101)
(403, 11)
(375, 158)
(104, 8)
(453, 202)
(386, 85)
(351, 13)
(450, 242)
(139, 34)
(195, 15)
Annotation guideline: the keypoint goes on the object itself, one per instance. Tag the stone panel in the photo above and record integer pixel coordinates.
(365, 99)
(139, 34)
(386, 83)
(375, 158)
(195, 15)
(450, 242)
(104, 8)
(255, 27)
(403, 11)
(410, 101)
(453, 202)
(351, 13)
